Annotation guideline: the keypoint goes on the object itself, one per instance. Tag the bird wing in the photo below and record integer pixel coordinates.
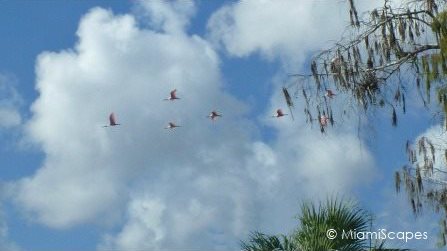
(173, 93)
(112, 119)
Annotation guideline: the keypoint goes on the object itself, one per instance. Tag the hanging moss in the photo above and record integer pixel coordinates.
(435, 60)
(439, 27)
(397, 181)
(287, 97)
(445, 105)
(401, 29)
(416, 28)
(436, 25)
(366, 42)
(428, 75)
(403, 103)
(394, 118)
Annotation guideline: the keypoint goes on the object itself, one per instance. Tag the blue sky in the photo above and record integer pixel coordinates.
(70, 184)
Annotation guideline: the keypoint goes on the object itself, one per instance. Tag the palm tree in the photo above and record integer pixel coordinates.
(311, 235)
(335, 214)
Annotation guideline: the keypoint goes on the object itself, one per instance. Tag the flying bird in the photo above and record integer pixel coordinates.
(112, 120)
(172, 96)
(329, 93)
(171, 125)
(279, 113)
(213, 115)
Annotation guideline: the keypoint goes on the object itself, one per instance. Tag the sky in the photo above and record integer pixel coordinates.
(69, 184)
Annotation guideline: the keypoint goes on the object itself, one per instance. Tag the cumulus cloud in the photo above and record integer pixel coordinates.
(203, 186)
(276, 28)
(114, 67)
(287, 29)
(144, 228)
(172, 16)
(214, 210)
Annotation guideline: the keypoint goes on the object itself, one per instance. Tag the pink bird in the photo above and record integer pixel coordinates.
(213, 115)
(112, 120)
(329, 93)
(171, 126)
(172, 96)
(279, 113)
(323, 120)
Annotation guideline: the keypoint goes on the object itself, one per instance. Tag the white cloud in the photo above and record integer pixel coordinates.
(144, 229)
(203, 186)
(172, 16)
(213, 209)
(114, 67)
(287, 29)
(276, 28)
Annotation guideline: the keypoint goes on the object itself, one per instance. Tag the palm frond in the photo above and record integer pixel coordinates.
(262, 242)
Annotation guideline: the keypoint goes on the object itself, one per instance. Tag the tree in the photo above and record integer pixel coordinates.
(337, 215)
(396, 50)
(311, 234)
